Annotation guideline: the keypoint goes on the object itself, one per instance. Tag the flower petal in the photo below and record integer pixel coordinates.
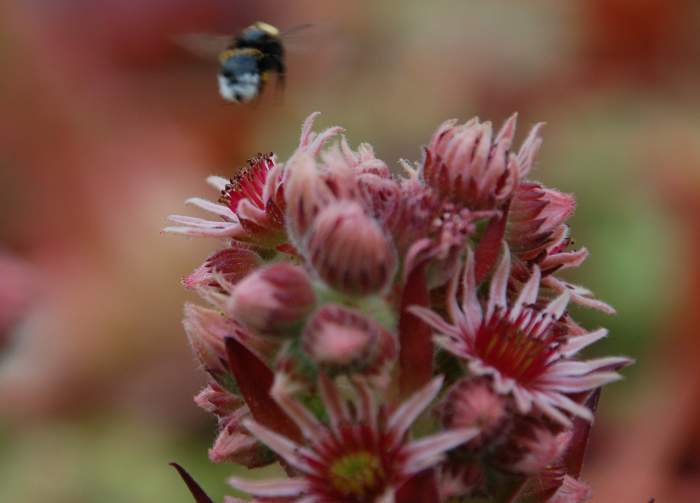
(402, 418)
(272, 488)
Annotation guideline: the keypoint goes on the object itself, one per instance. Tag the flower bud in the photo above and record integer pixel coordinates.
(380, 195)
(460, 480)
(349, 250)
(206, 329)
(473, 403)
(305, 194)
(231, 265)
(532, 447)
(571, 491)
(341, 338)
(536, 220)
(468, 165)
(218, 401)
(272, 299)
(234, 444)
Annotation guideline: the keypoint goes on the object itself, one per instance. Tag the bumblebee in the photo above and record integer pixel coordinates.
(248, 62)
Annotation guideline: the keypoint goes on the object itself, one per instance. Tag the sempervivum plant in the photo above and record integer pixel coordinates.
(395, 336)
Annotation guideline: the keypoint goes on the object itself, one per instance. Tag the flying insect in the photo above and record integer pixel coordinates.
(247, 63)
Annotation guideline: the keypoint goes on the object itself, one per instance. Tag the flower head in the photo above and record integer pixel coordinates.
(307, 302)
(520, 346)
(360, 456)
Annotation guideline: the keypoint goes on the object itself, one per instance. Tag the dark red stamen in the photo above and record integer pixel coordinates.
(248, 183)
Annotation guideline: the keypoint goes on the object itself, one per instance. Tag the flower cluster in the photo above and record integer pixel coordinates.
(395, 336)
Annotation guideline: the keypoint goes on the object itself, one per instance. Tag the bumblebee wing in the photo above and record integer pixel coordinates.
(294, 31)
(309, 37)
(205, 46)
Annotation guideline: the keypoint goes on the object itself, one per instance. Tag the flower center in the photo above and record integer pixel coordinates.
(248, 183)
(358, 474)
(513, 349)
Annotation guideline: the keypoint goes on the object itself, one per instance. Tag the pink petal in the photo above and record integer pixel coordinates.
(402, 418)
(499, 284)
(270, 488)
(528, 295)
(429, 451)
(216, 209)
(290, 451)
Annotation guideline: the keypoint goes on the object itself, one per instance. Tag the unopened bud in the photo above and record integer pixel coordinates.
(272, 299)
(305, 193)
(206, 329)
(466, 164)
(341, 338)
(532, 447)
(234, 444)
(217, 400)
(473, 403)
(349, 249)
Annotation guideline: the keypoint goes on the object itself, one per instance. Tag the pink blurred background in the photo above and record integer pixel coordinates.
(107, 125)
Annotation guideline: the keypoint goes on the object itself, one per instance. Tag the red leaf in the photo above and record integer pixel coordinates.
(421, 488)
(415, 336)
(489, 247)
(197, 492)
(573, 459)
(255, 379)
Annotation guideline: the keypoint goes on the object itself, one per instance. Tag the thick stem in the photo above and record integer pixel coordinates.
(415, 336)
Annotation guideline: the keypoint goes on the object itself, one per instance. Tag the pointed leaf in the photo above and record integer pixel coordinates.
(255, 380)
(489, 247)
(197, 492)
(573, 459)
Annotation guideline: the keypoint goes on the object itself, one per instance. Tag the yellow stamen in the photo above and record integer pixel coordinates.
(356, 474)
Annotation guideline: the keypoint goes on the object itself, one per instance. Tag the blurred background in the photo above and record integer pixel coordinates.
(106, 126)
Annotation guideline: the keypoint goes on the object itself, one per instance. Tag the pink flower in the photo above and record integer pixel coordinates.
(519, 346)
(467, 165)
(360, 456)
(340, 278)
(250, 209)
